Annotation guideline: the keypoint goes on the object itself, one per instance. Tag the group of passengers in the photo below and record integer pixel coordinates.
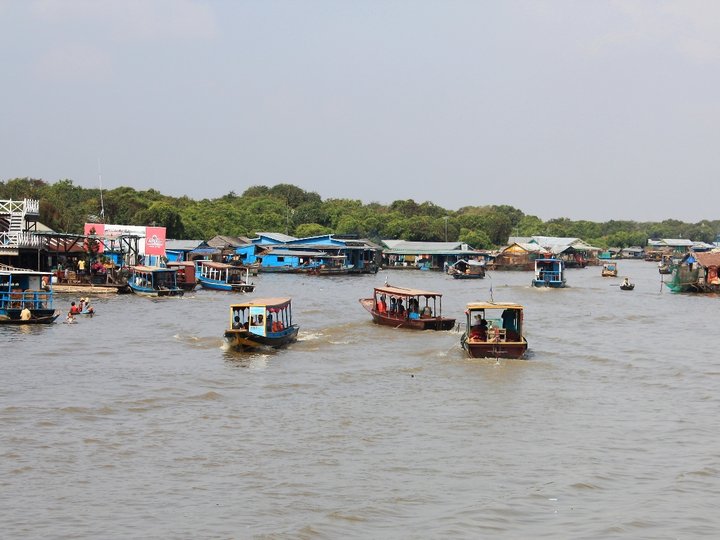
(398, 310)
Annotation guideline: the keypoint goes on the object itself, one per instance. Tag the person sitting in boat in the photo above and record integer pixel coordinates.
(393, 305)
(426, 312)
(74, 309)
(479, 328)
(626, 282)
(381, 307)
(400, 309)
(236, 320)
(25, 314)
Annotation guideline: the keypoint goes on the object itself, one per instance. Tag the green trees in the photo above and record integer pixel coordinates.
(65, 207)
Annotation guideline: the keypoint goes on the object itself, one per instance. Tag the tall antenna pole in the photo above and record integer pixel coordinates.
(102, 203)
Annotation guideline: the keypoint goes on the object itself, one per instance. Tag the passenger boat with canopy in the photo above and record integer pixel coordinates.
(494, 330)
(223, 277)
(609, 270)
(549, 273)
(185, 274)
(154, 281)
(22, 289)
(467, 269)
(407, 308)
(261, 323)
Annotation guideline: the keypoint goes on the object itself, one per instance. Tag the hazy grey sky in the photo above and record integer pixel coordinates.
(582, 109)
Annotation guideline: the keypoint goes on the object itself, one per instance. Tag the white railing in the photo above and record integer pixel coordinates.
(32, 206)
(20, 239)
(26, 206)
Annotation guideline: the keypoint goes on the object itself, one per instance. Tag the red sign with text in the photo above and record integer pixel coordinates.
(155, 241)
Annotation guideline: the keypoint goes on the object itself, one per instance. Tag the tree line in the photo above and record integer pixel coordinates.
(65, 207)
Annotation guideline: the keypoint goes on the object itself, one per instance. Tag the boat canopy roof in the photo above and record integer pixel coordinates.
(4, 269)
(150, 269)
(402, 291)
(213, 264)
(472, 306)
(180, 263)
(277, 303)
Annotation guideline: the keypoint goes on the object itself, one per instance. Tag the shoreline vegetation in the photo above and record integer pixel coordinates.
(65, 207)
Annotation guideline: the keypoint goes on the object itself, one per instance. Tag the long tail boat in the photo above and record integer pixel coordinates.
(407, 308)
(261, 323)
(494, 330)
(28, 291)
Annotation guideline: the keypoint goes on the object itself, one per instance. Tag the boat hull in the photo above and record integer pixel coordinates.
(227, 287)
(242, 340)
(468, 276)
(494, 349)
(627, 287)
(39, 316)
(546, 283)
(430, 323)
(155, 293)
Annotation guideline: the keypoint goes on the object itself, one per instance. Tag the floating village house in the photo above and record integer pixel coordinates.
(697, 272)
(427, 255)
(180, 250)
(667, 247)
(280, 252)
(575, 252)
(519, 256)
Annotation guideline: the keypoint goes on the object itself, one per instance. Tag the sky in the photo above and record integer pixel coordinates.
(590, 109)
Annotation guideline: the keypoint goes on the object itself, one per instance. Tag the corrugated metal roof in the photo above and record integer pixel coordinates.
(278, 237)
(222, 242)
(182, 245)
(423, 247)
(294, 253)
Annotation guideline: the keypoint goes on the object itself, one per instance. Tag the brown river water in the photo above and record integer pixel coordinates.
(137, 424)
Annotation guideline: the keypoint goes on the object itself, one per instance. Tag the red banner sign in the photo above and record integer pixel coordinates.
(97, 229)
(155, 241)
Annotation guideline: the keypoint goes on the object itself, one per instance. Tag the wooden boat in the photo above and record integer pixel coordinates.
(407, 308)
(609, 270)
(666, 265)
(185, 274)
(154, 281)
(467, 269)
(494, 330)
(331, 265)
(549, 273)
(22, 288)
(223, 277)
(261, 323)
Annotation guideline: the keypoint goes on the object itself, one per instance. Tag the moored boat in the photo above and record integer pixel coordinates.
(407, 308)
(467, 269)
(494, 330)
(154, 281)
(261, 323)
(549, 273)
(223, 277)
(185, 274)
(26, 296)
